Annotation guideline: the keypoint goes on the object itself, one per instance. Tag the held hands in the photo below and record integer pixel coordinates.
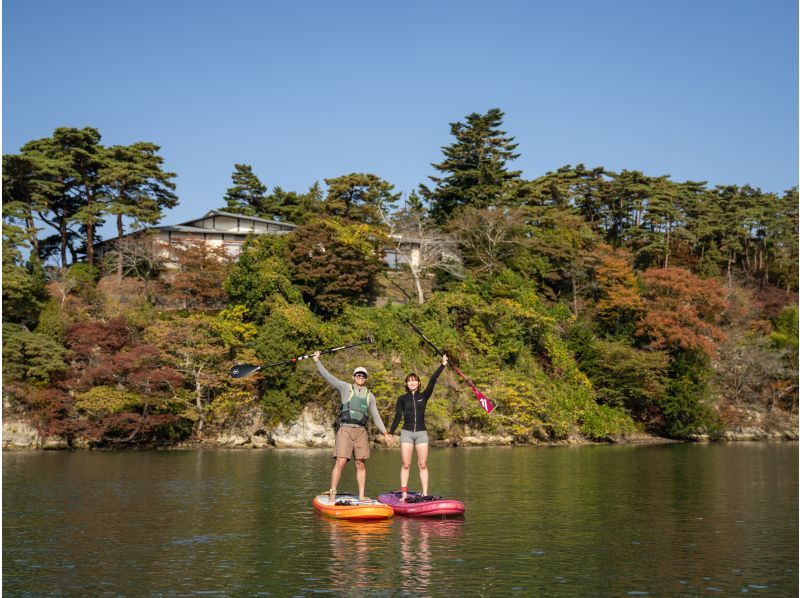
(444, 360)
(316, 355)
(389, 438)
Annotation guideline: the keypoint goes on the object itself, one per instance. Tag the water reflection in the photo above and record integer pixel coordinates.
(354, 564)
(418, 538)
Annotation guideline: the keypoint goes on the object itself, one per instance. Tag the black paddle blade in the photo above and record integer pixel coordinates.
(241, 370)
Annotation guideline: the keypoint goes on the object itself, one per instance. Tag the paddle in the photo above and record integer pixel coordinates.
(485, 401)
(241, 370)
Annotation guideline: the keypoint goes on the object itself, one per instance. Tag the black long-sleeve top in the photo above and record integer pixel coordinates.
(411, 407)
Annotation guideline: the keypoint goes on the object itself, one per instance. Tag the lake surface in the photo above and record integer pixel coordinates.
(557, 521)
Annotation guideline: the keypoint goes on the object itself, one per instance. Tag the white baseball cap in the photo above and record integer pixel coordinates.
(360, 371)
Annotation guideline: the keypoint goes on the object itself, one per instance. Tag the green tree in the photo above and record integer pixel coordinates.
(136, 187)
(559, 251)
(48, 195)
(334, 263)
(781, 242)
(261, 276)
(24, 291)
(576, 187)
(623, 376)
(363, 197)
(685, 405)
(29, 357)
(297, 208)
(28, 187)
(85, 156)
(664, 221)
(248, 194)
(474, 171)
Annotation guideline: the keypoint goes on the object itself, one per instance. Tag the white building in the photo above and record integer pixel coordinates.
(229, 231)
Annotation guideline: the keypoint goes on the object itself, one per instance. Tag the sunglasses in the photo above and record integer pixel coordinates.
(360, 375)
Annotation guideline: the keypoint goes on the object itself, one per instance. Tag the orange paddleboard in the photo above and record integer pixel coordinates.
(347, 506)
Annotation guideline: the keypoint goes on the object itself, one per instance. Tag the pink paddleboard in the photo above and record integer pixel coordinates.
(415, 507)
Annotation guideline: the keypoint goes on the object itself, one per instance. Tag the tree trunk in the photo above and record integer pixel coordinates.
(32, 233)
(199, 401)
(574, 295)
(89, 227)
(62, 230)
(119, 250)
(730, 272)
(418, 285)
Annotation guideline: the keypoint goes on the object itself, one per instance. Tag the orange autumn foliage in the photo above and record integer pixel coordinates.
(618, 287)
(682, 311)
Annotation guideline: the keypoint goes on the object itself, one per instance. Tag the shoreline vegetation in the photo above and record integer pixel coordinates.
(22, 435)
(14, 441)
(590, 305)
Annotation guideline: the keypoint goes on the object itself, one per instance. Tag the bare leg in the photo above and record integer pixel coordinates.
(337, 473)
(406, 450)
(361, 478)
(422, 462)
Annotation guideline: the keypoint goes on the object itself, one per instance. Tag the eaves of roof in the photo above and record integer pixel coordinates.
(212, 213)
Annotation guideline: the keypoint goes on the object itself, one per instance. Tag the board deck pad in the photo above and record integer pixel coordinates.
(348, 506)
(418, 507)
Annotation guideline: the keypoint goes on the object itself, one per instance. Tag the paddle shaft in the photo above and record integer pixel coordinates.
(484, 401)
(241, 370)
(296, 359)
(425, 338)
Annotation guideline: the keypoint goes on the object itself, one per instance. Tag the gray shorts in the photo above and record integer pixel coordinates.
(409, 437)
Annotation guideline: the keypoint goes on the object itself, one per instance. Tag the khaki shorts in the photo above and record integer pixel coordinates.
(350, 439)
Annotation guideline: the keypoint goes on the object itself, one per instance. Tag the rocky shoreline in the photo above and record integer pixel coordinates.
(313, 430)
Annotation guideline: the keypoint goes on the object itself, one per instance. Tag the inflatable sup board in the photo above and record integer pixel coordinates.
(417, 505)
(347, 506)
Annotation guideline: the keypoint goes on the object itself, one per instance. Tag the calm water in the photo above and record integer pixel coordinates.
(561, 521)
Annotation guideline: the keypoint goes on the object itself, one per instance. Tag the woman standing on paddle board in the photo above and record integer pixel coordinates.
(411, 408)
(351, 439)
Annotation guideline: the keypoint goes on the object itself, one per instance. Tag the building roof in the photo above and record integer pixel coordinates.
(212, 213)
(182, 228)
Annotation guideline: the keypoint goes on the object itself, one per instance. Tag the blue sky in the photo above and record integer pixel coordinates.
(308, 90)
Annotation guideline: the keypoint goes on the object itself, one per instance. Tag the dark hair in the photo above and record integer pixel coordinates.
(412, 375)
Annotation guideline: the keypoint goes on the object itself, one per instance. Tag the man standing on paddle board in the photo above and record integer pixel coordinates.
(357, 402)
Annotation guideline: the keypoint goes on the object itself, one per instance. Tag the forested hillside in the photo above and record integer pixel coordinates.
(584, 302)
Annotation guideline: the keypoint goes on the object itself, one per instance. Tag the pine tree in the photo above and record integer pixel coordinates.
(363, 197)
(136, 186)
(474, 167)
(59, 200)
(290, 206)
(247, 194)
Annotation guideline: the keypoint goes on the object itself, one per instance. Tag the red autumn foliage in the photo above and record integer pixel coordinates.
(196, 279)
(86, 340)
(682, 311)
(110, 353)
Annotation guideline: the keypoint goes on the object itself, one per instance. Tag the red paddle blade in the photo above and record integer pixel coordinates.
(485, 401)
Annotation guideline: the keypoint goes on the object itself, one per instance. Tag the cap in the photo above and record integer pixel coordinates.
(360, 371)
